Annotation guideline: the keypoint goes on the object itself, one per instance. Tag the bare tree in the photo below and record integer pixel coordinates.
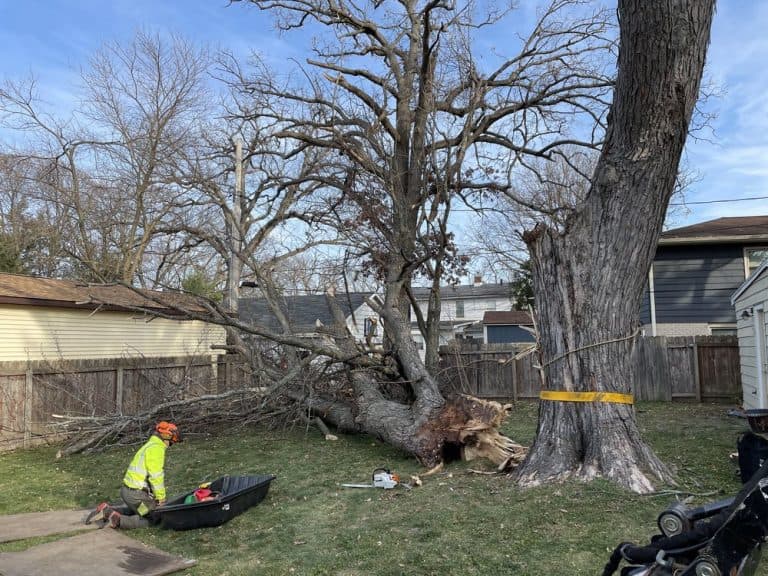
(105, 171)
(403, 119)
(550, 190)
(29, 241)
(590, 272)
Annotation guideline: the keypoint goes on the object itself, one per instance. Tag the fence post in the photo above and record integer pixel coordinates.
(696, 370)
(514, 380)
(119, 378)
(28, 378)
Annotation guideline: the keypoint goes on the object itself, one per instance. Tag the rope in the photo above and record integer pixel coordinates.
(588, 346)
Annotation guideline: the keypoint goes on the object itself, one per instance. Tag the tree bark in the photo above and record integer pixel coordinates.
(589, 276)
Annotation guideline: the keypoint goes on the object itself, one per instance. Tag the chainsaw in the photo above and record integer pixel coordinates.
(381, 478)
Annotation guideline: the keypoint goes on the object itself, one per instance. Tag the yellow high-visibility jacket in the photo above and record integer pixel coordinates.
(147, 469)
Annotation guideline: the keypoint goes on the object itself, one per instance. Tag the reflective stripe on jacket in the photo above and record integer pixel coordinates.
(146, 470)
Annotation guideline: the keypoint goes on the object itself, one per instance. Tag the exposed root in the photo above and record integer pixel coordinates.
(633, 480)
(468, 428)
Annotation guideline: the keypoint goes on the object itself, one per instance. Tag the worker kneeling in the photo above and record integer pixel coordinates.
(143, 487)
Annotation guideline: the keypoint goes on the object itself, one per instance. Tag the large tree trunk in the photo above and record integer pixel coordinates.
(589, 277)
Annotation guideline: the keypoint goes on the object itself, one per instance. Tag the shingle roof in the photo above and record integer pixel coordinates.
(502, 289)
(512, 317)
(32, 291)
(302, 311)
(727, 228)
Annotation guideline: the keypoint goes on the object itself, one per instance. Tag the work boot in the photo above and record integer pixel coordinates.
(100, 509)
(114, 519)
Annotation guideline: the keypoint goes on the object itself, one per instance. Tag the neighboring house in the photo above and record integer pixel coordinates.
(43, 319)
(694, 273)
(462, 309)
(309, 314)
(510, 327)
(751, 305)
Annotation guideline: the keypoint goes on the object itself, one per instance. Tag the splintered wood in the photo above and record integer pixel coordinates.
(472, 425)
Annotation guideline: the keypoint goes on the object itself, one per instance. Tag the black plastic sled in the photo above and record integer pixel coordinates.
(235, 494)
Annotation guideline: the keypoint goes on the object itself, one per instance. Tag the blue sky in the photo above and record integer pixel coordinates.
(54, 38)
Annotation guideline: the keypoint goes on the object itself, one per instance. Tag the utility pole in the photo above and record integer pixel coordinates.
(235, 267)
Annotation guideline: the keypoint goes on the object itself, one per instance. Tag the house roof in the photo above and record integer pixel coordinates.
(32, 291)
(720, 230)
(749, 281)
(506, 318)
(303, 311)
(448, 324)
(501, 289)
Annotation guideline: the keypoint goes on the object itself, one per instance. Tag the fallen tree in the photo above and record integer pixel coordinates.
(402, 122)
(341, 383)
(398, 122)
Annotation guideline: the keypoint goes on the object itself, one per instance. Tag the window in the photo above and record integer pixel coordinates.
(753, 257)
(723, 331)
(370, 327)
(459, 308)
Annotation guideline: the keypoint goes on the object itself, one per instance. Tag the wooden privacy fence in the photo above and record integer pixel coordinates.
(30, 392)
(702, 368)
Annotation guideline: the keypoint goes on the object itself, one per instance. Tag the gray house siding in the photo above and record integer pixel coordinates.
(503, 334)
(694, 284)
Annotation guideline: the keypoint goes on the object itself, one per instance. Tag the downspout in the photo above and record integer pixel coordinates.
(652, 295)
(758, 327)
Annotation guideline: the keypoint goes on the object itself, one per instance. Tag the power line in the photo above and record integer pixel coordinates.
(698, 202)
(746, 199)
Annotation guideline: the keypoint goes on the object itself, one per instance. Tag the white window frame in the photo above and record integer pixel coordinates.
(456, 309)
(747, 250)
(721, 327)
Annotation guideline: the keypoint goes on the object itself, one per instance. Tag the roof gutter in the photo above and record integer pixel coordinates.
(748, 282)
(713, 240)
(45, 303)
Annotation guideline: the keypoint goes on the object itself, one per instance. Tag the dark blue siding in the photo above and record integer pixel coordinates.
(695, 283)
(645, 306)
(504, 334)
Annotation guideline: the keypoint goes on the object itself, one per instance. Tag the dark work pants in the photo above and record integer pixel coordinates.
(134, 500)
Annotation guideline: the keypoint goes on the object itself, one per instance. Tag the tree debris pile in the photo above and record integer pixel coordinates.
(195, 415)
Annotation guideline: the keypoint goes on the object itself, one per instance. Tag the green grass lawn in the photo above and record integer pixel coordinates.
(457, 523)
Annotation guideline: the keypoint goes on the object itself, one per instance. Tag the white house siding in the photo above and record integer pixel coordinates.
(474, 307)
(42, 333)
(755, 295)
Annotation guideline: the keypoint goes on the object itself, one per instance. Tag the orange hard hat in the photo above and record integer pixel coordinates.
(168, 431)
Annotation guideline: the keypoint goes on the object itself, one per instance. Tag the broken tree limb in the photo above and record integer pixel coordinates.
(320, 426)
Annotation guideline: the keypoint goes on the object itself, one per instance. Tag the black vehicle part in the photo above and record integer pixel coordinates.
(753, 451)
(236, 495)
(728, 539)
(678, 518)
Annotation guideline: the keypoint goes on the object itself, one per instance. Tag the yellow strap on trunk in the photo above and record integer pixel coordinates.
(565, 396)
